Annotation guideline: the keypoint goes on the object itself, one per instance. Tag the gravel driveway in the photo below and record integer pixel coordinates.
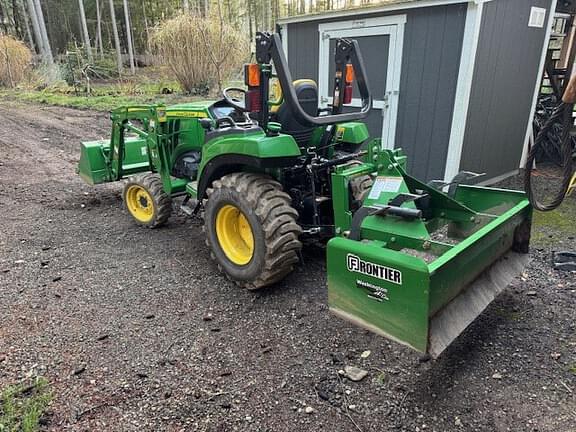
(137, 331)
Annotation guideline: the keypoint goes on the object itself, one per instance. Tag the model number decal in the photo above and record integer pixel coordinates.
(374, 292)
(357, 265)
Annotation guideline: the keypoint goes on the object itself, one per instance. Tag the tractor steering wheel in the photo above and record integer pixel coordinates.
(239, 104)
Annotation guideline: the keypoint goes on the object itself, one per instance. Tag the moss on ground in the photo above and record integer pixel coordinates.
(96, 102)
(23, 405)
(551, 227)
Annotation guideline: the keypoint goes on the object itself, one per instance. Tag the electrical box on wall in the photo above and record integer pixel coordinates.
(537, 17)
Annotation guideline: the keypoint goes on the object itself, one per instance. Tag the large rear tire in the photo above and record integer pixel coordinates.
(251, 229)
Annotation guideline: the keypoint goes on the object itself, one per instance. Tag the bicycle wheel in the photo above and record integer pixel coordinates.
(549, 166)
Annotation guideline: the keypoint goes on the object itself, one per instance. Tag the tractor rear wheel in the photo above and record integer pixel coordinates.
(251, 229)
(144, 198)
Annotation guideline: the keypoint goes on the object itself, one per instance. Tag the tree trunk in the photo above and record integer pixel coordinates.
(146, 26)
(27, 26)
(85, 34)
(100, 44)
(116, 38)
(36, 27)
(43, 32)
(186, 6)
(249, 11)
(129, 37)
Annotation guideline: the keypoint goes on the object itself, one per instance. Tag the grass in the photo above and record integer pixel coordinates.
(97, 103)
(22, 406)
(551, 227)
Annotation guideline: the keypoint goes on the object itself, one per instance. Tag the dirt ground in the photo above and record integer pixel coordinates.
(136, 330)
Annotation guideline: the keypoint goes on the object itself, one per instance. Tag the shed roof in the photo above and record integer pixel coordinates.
(382, 6)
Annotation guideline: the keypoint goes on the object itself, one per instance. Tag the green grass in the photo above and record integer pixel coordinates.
(572, 369)
(551, 227)
(22, 405)
(98, 103)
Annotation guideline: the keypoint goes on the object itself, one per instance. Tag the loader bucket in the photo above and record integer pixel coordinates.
(422, 280)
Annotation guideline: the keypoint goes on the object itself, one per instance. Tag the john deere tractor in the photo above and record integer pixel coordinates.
(269, 172)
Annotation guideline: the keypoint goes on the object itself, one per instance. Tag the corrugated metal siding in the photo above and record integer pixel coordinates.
(505, 75)
(432, 48)
(303, 42)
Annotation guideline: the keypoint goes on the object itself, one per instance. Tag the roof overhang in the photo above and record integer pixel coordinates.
(388, 6)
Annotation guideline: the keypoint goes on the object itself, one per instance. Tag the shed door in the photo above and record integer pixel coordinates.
(382, 53)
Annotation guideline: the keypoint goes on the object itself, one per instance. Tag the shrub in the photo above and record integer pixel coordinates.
(15, 58)
(201, 52)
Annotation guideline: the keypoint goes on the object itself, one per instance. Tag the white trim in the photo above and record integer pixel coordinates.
(373, 10)
(362, 23)
(391, 26)
(463, 88)
(394, 94)
(284, 29)
(538, 83)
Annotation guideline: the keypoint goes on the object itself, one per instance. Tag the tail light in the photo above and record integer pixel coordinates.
(349, 79)
(252, 100)
(347, 94)
(252, 80)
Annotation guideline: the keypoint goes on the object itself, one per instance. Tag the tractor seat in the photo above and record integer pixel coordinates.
(307, 94)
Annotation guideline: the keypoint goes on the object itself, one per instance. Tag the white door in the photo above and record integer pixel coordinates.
(380, 41)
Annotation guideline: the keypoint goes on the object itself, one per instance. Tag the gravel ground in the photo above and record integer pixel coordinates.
(136, 330)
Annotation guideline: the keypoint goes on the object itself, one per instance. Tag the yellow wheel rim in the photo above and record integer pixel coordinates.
(234, 234)
(140, 203)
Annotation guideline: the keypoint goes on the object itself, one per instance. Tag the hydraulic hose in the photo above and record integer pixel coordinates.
(563, 114)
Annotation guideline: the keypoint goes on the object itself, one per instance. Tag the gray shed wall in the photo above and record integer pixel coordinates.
(505, 76)
(431, 58)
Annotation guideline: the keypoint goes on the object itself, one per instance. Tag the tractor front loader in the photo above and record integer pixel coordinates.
(268, 172)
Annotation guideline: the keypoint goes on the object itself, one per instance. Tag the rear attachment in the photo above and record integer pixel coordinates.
(416, 265)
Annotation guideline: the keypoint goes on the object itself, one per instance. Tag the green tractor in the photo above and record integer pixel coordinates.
(269, 172)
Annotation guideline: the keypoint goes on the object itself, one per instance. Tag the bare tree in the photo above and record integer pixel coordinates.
(36, 28)
(129, 37)
(43, 32)
(27, 25)
(85, 34)
(99, 42)
(116, 38)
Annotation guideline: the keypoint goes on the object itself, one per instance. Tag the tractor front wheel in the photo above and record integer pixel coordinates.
(251, 229)
(144, 198)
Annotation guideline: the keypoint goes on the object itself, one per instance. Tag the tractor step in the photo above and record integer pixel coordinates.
(188, 207)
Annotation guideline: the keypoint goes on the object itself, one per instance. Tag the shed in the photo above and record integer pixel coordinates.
(454, 81)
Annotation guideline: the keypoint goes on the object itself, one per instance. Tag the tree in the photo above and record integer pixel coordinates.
(129, 37)
(43, 33)
(99, 43)
(36, 28)
(85, 31)
(116, 38)
(27, 25)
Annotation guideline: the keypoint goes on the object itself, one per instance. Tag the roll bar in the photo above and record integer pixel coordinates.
(269, 48)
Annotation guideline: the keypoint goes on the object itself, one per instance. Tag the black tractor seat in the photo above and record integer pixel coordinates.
(307, 94)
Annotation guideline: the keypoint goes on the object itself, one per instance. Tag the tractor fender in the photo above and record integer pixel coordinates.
(222, 165)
